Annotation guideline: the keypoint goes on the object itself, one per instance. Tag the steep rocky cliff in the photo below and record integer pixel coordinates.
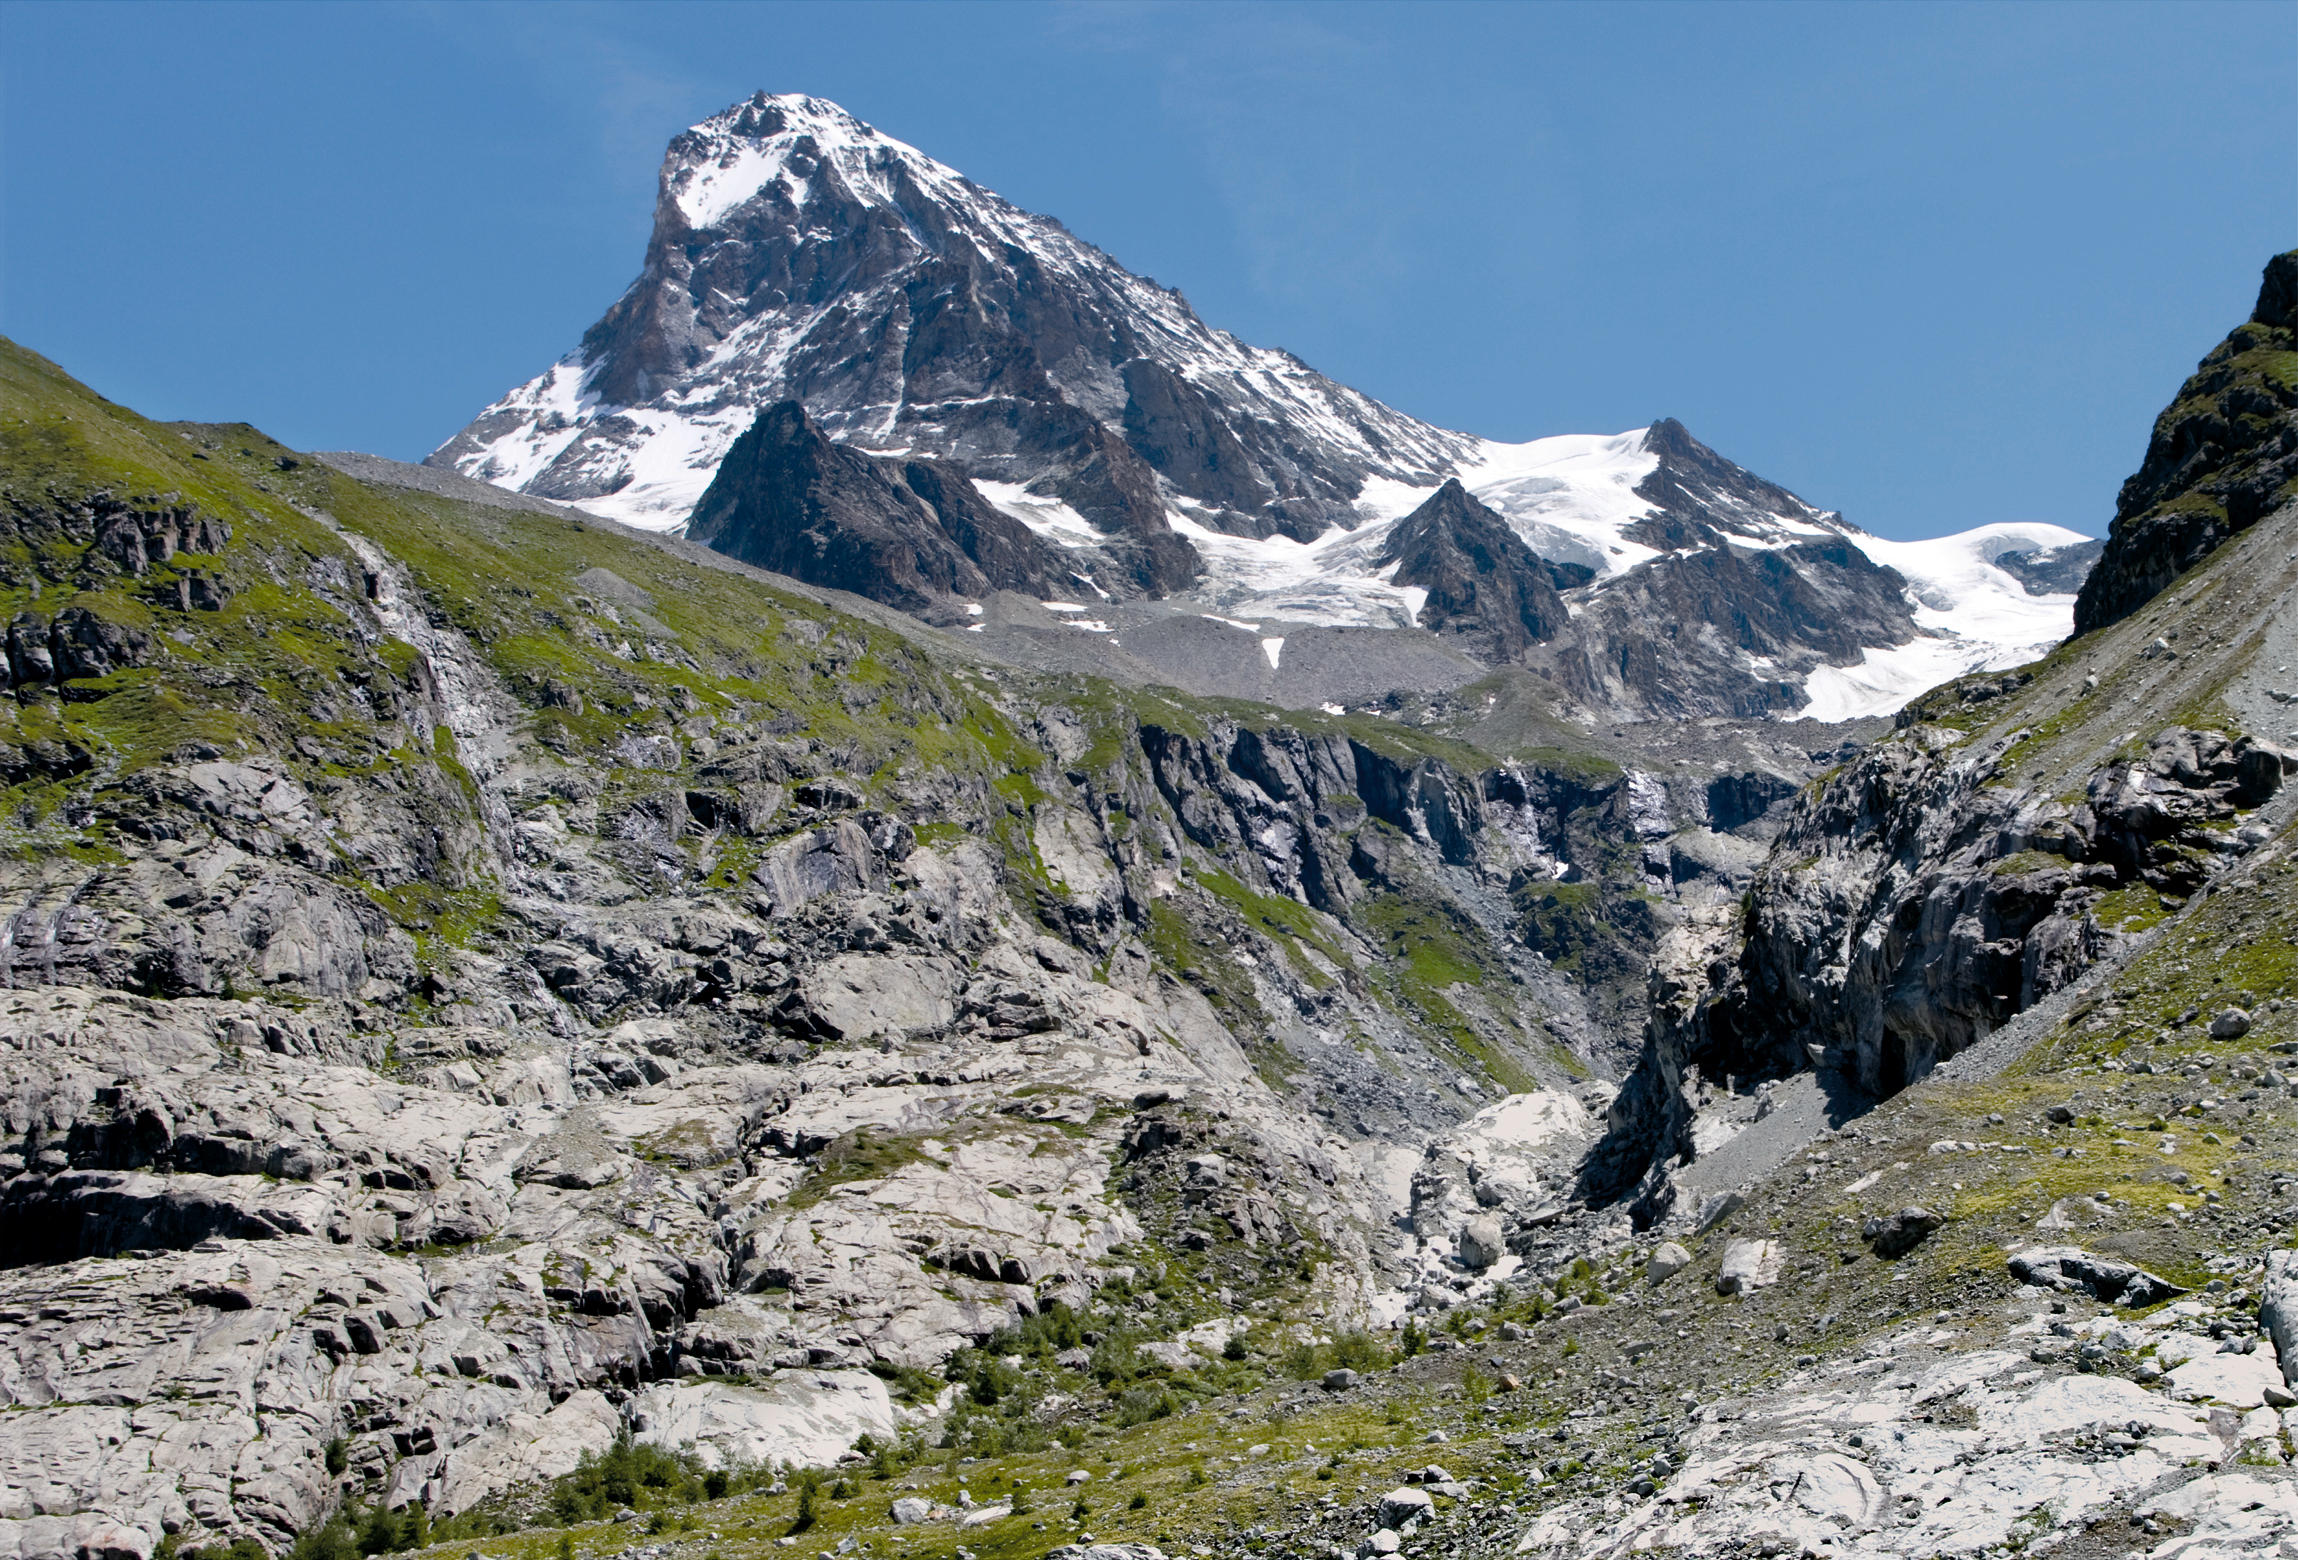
(1480, 581)
(2017, 828)
(915, 534)
(2222, 457)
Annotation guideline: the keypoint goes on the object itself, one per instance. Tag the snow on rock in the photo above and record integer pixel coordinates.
(730, 317)
(803, 178)
(1975, 616)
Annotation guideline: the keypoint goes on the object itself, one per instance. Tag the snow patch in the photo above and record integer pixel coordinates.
(1974, 617)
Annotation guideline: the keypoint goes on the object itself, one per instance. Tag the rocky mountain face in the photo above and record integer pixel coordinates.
(2223, 456)
(800, 254)
(520, 1030)
(801, 257)
(911, 533)
(1480, 580)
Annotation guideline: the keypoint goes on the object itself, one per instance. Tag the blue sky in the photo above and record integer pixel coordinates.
(1933, 265)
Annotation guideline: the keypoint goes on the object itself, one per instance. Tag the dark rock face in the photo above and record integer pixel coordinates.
(1483, 583)
(1901, 1232)
(2222, 455)
(1698, 491)
(1753, 589)
(1735, 801)
(2072, 1270)
(1910, 908)
(914, 534)
(909, 308)
(1676, 635)
(2051, 571)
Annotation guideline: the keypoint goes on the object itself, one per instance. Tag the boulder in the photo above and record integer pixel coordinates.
(1339, 1380)
(1748, 1265)
(912, 1509)
(2232, 1024)
(1405, 1504)
(2070, 1268)
(1901, 1232)
(1667, 1262)
(1481, 1244)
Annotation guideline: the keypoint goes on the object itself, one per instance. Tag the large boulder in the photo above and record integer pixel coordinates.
(1897, 1234)
(2278, 1310)
(1481, 1244)
(1405, 1504)
(1669, 1260)
(2070, 1268)
(1748, 1265)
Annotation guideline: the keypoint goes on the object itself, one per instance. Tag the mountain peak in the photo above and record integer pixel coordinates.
(783, 139)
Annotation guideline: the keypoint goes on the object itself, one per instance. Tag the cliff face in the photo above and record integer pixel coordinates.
(2222, 457)
(2017, 828)
(915, 534)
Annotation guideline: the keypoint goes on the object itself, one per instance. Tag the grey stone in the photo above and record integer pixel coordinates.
(1748, 1265)
(1481, 1243)
(1405, 1504)
(2070, 1269)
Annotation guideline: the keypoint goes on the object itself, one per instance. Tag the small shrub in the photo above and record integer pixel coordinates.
(1139, 1405)
(330, 1540)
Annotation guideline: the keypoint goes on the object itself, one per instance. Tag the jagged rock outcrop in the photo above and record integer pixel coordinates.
(2222, 455)
(1911, 906)
(1483, 583)
(915, 534)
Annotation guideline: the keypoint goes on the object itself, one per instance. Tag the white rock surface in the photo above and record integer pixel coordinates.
(800, 1418)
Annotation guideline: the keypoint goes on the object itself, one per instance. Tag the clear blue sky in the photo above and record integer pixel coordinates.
(1934, 265)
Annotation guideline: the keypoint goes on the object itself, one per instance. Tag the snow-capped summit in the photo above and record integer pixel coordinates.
(1002, 371)
(800, 254)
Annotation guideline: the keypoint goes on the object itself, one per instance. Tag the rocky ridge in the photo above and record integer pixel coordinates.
(1029, 384)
